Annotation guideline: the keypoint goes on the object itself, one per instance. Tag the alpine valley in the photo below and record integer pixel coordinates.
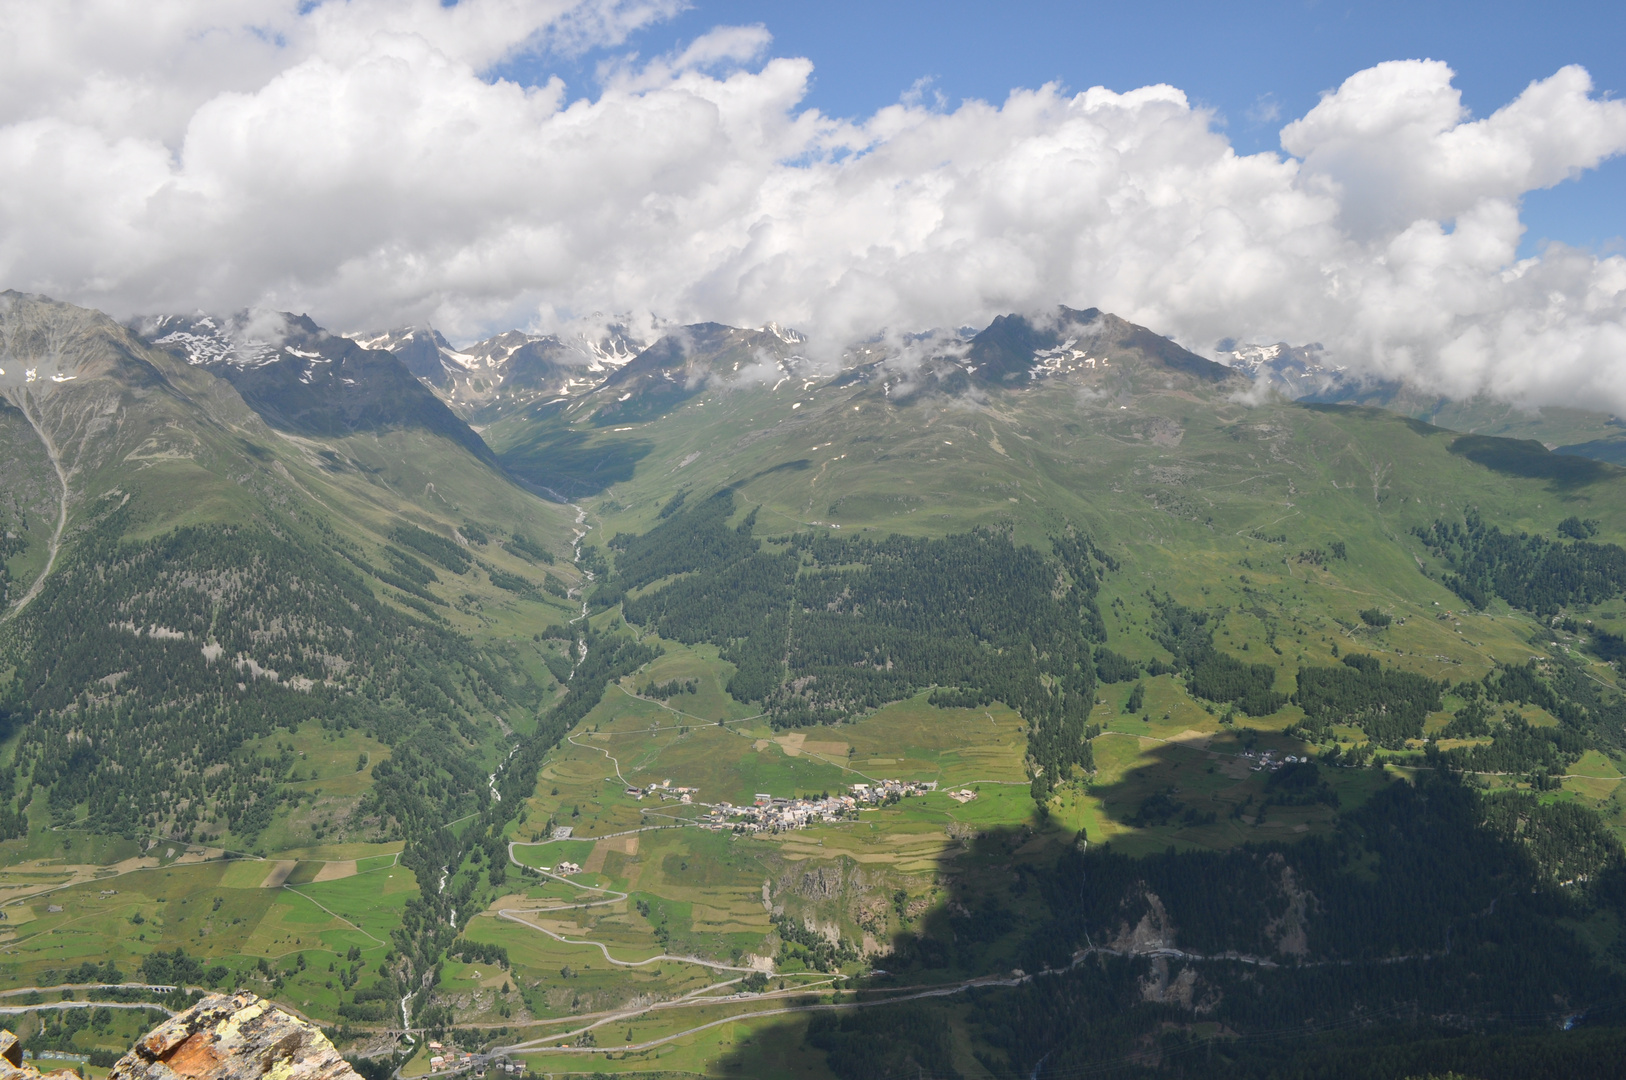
(1038, 700)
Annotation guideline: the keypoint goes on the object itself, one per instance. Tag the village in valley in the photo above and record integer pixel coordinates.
(772, 814)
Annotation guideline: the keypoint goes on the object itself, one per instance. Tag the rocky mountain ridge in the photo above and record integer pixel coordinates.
(509, 371)
(512, 371)
(304, 380)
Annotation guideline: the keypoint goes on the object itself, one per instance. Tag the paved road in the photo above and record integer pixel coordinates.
(87, 1005)
(157, 988)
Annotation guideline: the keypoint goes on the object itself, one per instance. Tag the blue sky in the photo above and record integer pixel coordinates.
(1244, 60)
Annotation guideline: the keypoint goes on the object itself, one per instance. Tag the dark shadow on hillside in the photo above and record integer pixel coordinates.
(649, 401)
(574, 464)
(1419, 921)
(1528, 458)
(796, 465)
(1371, 412)
(1612, 451)
(986, 901)
(1014, 902)
(1235, 787)
(353, 390)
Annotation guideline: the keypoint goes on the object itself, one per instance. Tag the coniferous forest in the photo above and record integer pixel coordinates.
(1531, 572)
(822, 628)
(141, 701)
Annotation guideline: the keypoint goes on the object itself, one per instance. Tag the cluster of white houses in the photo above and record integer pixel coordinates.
(770, 814)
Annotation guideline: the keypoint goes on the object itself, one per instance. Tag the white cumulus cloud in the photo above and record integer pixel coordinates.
(359, 161)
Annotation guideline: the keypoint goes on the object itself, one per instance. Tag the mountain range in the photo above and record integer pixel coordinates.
(303, 378)
(491, 378)
(503, 375)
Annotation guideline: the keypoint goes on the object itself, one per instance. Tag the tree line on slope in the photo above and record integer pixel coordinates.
(1528, 571)
(146, 668)
(822, 628)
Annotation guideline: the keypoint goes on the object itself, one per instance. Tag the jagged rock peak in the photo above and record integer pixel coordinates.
(233, 1037)
(1017, 347)
(514, 369)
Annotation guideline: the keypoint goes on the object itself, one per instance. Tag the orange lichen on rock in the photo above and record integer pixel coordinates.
(233, 1037)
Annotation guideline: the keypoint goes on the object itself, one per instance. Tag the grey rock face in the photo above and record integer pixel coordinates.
(233, 1037)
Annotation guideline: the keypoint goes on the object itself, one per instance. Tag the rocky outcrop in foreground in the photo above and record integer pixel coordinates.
(232, 1037)
(13, 1067)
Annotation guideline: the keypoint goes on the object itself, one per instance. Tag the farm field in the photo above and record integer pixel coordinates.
(300, 917)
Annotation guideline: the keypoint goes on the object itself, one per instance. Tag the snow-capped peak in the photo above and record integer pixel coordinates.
(1251, 358)
(248, 339)
(783, 333)
(511, 369)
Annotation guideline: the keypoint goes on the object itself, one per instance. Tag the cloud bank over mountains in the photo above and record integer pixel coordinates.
(360, 161)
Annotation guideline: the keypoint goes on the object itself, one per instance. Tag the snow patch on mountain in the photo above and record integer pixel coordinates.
(245, 340)
(1297, 371)
(514, 369)
(783, 333)
(1063, 359)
